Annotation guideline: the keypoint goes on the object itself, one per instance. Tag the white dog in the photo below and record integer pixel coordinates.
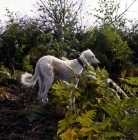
(48, 67)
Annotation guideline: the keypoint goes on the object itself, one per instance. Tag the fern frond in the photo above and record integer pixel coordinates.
(130, 85)
(135, 136)
(4, 73)
(115, 87)
(113, 110)
(33, 114)
(129, 123)
(109, 135)
(87, 118)
(70, 134)
(26, 62)
(69, 119)
(63, 92)
(89, 75)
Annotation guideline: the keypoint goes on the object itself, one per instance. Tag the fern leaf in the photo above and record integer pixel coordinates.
(105, 72)
(112, 110)
(114, 134)
(130, 85)
(86, 119)
(33, 114)
(85, 129)
(63, 125)
(105, 123)
(70, 118)
(31, 117)
(70, 134)
(135, 136)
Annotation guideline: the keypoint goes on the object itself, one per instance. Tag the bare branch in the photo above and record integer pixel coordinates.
(123, 12)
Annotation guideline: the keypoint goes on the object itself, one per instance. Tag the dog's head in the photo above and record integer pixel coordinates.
(89, 56)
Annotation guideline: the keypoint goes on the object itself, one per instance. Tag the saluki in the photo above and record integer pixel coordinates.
(48, 67)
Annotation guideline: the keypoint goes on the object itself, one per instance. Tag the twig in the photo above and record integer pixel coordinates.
(123, 12)
(36, 127)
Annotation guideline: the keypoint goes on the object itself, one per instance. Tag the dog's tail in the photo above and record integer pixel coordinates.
(28, 79)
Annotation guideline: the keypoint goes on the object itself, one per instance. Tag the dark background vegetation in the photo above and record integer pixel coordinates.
(57, 30)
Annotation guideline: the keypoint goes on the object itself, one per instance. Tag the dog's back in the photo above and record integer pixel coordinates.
(62, 69)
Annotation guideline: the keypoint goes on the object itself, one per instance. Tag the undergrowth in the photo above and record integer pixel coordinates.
(100, 111)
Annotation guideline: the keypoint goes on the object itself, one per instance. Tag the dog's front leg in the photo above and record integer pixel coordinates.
(72, 101)
(45, 99)
(72, 98)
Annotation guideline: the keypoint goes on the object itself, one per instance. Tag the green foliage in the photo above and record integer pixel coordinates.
(112, 40)
(107, 10)
(35, 113)
(86, 119)
(130, 85)
(32, 114)
(107, 13)
(108, 46)
(124, 115)
(5, 78)
(24, 41)
(98, 113)
(4, 73)
(26, 62)
(62, 92)
(17, 42)
(70, 118)
(61, 18)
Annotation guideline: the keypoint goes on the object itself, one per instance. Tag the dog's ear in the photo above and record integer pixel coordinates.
(78, 55)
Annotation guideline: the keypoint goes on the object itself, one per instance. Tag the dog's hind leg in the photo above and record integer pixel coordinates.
(47, 87)
(45, 81)
(41, 88)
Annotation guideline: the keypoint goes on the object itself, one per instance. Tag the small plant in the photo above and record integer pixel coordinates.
(36, 112)
(4, 73)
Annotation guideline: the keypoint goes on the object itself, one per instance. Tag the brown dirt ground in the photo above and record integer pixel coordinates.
(13, 99)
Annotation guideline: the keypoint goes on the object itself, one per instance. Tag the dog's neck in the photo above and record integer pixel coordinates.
(80, 62)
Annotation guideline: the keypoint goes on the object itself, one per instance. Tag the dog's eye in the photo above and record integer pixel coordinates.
(92, 56)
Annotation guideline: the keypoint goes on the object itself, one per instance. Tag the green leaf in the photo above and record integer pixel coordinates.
(87, 118)
(113, 134)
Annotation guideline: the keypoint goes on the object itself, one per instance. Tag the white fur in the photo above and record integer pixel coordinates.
(24, 80)
(48, 67)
